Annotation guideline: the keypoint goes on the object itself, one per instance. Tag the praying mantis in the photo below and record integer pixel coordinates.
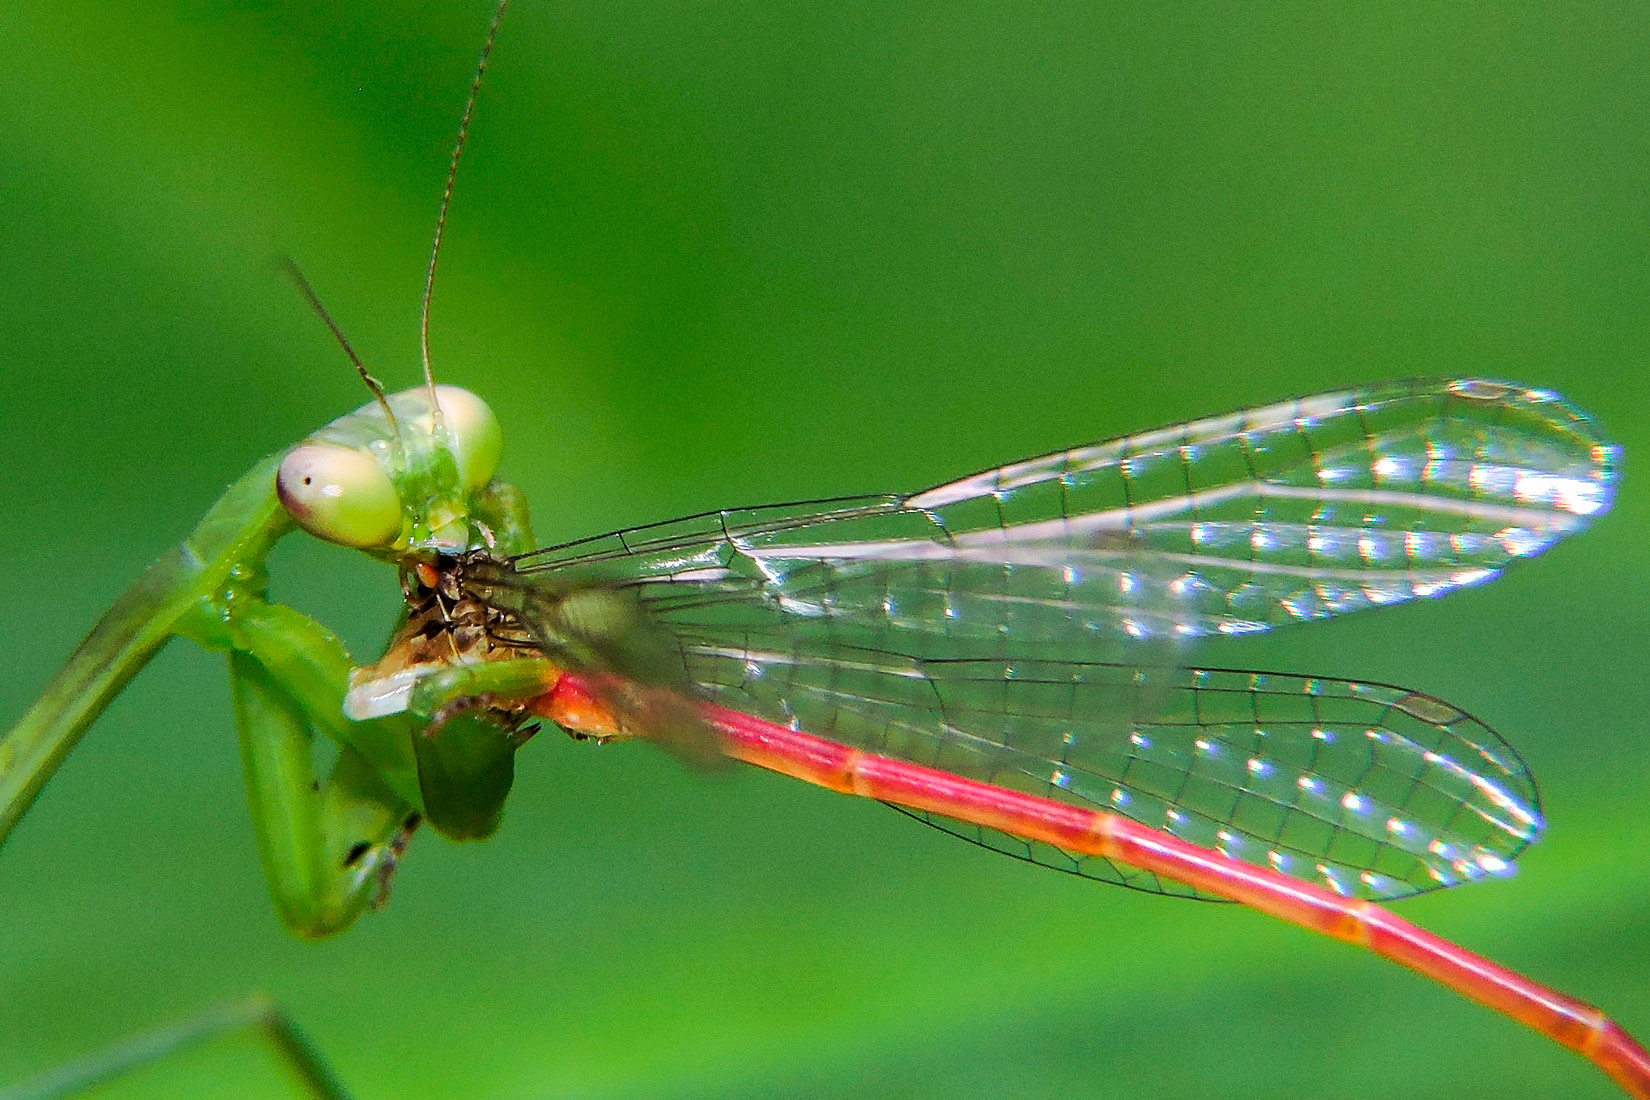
(429, 735)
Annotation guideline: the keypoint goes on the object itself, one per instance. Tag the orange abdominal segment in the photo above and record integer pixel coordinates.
(571, 705)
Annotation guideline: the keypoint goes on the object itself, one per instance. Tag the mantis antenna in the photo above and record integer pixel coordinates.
(290, 270)
(446, 201)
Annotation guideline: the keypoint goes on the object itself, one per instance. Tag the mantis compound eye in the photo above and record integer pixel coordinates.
(340, 495)
(473, 435)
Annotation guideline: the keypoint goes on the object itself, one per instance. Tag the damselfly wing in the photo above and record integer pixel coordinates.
(959, 627)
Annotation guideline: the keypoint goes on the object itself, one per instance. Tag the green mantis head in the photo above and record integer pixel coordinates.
(393, 478)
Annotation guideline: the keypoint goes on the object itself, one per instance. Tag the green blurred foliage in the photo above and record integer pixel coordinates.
(710, 254)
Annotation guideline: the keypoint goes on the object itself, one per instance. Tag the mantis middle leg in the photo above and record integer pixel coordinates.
(258, 1015)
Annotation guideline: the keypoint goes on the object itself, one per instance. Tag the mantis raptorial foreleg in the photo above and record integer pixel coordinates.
(323, 846)
(198, 580)
(328, 843)
(537, 688)
(504, 682)
(313, 668)
(289, 675)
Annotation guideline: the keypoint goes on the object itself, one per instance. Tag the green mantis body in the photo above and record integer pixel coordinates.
(328, 844)
(404, 478)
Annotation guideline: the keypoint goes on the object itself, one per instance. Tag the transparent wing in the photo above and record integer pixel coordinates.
(918, 626)
(1370, 790)
(1295, 511)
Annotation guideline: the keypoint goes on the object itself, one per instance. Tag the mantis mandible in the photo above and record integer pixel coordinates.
(938, 640)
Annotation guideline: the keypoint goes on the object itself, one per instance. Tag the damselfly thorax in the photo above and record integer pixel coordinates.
(445, 628)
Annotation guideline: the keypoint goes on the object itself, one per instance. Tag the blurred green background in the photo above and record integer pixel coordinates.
(715, 254)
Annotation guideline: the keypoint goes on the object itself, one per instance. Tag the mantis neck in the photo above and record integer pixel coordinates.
(221, 560)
